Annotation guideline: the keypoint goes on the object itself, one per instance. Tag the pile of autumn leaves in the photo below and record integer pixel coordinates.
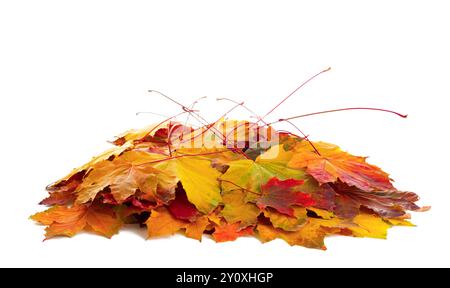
(295, 190)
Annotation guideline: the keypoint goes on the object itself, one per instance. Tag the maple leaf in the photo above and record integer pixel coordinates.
(324, 214)
(130, 136)
(399, 222)
(287, 223)
(195, 229)
(60, 214)
(251, 175)
(175, 178)
(237, 209)
(163, 223)
(345, 206)
(311, 236)
(370, 226)
(151, 174)
(68, 221)
(108, 154)
(63, 192)
(278, 158)
(388, 204)
(333, 164)
(124, 175)
(199, 180)
(323, 195)
(313, 233)
(230, 232)
(181, 208)
(103, 220)
(281, 195)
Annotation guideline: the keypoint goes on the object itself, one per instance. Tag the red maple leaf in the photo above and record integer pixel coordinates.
(181, 208)
(282, 194)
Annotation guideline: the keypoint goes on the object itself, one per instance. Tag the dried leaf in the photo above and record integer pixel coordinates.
(181, 208)
(68, 221)
(195, 229)
(238, 209)
(162, 223)
(229, 178)
(230, 232)
(287, 223)
(333, 164)
(199, 180)
(282, 195)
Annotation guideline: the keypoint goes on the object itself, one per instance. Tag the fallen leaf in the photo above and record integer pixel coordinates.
(124, 175)
(250, 175)
(282, 195)
(195, 229)
(287, 223)
(68, 221)
(389, 204)
(230, 232)
(308, 236)
(162, 223)
(103, 220)
(227, 178)
(333, 164)
(370, 226)
(238, 209)
(199, 180)
(181, 208)
(324, 214)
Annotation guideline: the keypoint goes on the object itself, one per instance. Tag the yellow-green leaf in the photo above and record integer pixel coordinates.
(200, 181)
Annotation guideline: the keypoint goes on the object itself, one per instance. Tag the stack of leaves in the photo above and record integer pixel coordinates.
(291, 189)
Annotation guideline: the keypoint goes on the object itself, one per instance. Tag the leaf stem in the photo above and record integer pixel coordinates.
(340, 110)
(306, 137)
(181, 156)
(296, 89)
(232, 183)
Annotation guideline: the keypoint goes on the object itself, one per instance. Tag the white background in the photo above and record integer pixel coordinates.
(74, 73)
